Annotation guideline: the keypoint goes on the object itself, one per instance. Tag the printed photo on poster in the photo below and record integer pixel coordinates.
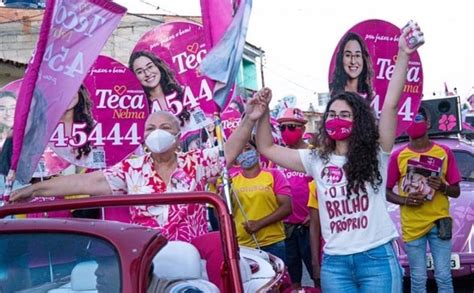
(113, 107)
(7, 114)
(159, 82)
(166, 60)
(353, 70)
(418, 172)
(363, 62)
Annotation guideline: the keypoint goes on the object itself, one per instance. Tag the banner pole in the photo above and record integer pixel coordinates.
(225, 172)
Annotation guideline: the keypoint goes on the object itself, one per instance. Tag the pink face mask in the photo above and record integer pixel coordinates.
(338, 129)
(417, 129)
(291, 137)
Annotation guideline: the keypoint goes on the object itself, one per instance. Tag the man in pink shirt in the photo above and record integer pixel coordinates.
(292, 127)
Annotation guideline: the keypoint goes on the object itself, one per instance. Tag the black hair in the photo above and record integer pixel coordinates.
(339, 78)
(83, 114)
(362, 164)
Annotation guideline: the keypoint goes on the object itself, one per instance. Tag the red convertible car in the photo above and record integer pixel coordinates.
(85, 255)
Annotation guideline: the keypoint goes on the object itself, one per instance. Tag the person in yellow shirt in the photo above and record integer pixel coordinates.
(315, 239)
(425, 215)
(264, 197)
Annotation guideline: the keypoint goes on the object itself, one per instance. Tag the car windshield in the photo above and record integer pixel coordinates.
(465, 161)
(47, 262)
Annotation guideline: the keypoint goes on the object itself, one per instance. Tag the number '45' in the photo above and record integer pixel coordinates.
(56, 61)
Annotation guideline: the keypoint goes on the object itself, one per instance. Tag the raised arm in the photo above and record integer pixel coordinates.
(254, 109)
(237, 140)
(91, 183)
(388, 116)
(284, 157)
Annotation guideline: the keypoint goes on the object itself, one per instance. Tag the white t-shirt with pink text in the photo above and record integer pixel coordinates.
(349, 225)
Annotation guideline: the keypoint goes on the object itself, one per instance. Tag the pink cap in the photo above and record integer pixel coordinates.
(307, 135)
(292, 115)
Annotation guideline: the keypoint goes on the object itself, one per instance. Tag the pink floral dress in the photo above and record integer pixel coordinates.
(177, 221)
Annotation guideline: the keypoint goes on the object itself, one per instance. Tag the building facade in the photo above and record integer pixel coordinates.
(19, 30)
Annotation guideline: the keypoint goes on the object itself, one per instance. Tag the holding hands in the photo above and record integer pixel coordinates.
(415, 199)
(258, 104)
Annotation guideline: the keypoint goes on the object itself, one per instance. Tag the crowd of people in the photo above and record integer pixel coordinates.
(324, 205)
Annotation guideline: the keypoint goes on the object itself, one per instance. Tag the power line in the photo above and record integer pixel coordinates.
(149, 4)
(289, 80)
(310, 76)
(169, 12)
(145, 17)
(172, 13)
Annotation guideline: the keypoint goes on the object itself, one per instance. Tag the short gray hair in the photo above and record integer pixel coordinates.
(170, 116)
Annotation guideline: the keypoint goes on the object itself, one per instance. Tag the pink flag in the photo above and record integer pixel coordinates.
(216, 17)
(72, 35)
(223, 61)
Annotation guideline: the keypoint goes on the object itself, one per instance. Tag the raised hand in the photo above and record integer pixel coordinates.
(265, 95)
(258, 104)
(402, 43)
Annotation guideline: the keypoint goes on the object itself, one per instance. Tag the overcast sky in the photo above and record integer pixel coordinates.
(299, 38)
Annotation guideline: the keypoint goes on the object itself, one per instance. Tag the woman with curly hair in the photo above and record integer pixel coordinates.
(353, 70)
(358, 254)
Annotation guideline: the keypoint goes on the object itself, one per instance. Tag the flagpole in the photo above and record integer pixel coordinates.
(224, 172)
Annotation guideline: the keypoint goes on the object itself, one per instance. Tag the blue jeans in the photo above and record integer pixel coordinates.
(441, 251)
(297, 250)
(277, 249)
(376, 270)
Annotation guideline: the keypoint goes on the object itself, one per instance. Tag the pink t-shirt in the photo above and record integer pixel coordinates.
(177, 221)
(299, 183)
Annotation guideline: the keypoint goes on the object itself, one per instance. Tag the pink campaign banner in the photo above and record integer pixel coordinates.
(380, 38)
(101, 126)
(216, 17)
(166, 61)
(50, 163)
(71, 37)
(119, 109)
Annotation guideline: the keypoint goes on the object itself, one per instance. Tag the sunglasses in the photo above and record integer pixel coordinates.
(291, 127)
(419, 118)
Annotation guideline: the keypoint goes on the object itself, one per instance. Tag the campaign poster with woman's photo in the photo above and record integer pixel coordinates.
(50, 163)
(8, 96)
(364, 61)
(166, 62)
(113, 107)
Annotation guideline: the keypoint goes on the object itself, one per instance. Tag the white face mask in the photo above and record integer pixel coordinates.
(160, 141)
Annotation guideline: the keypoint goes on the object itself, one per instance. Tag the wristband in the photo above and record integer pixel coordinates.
(406, 199)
